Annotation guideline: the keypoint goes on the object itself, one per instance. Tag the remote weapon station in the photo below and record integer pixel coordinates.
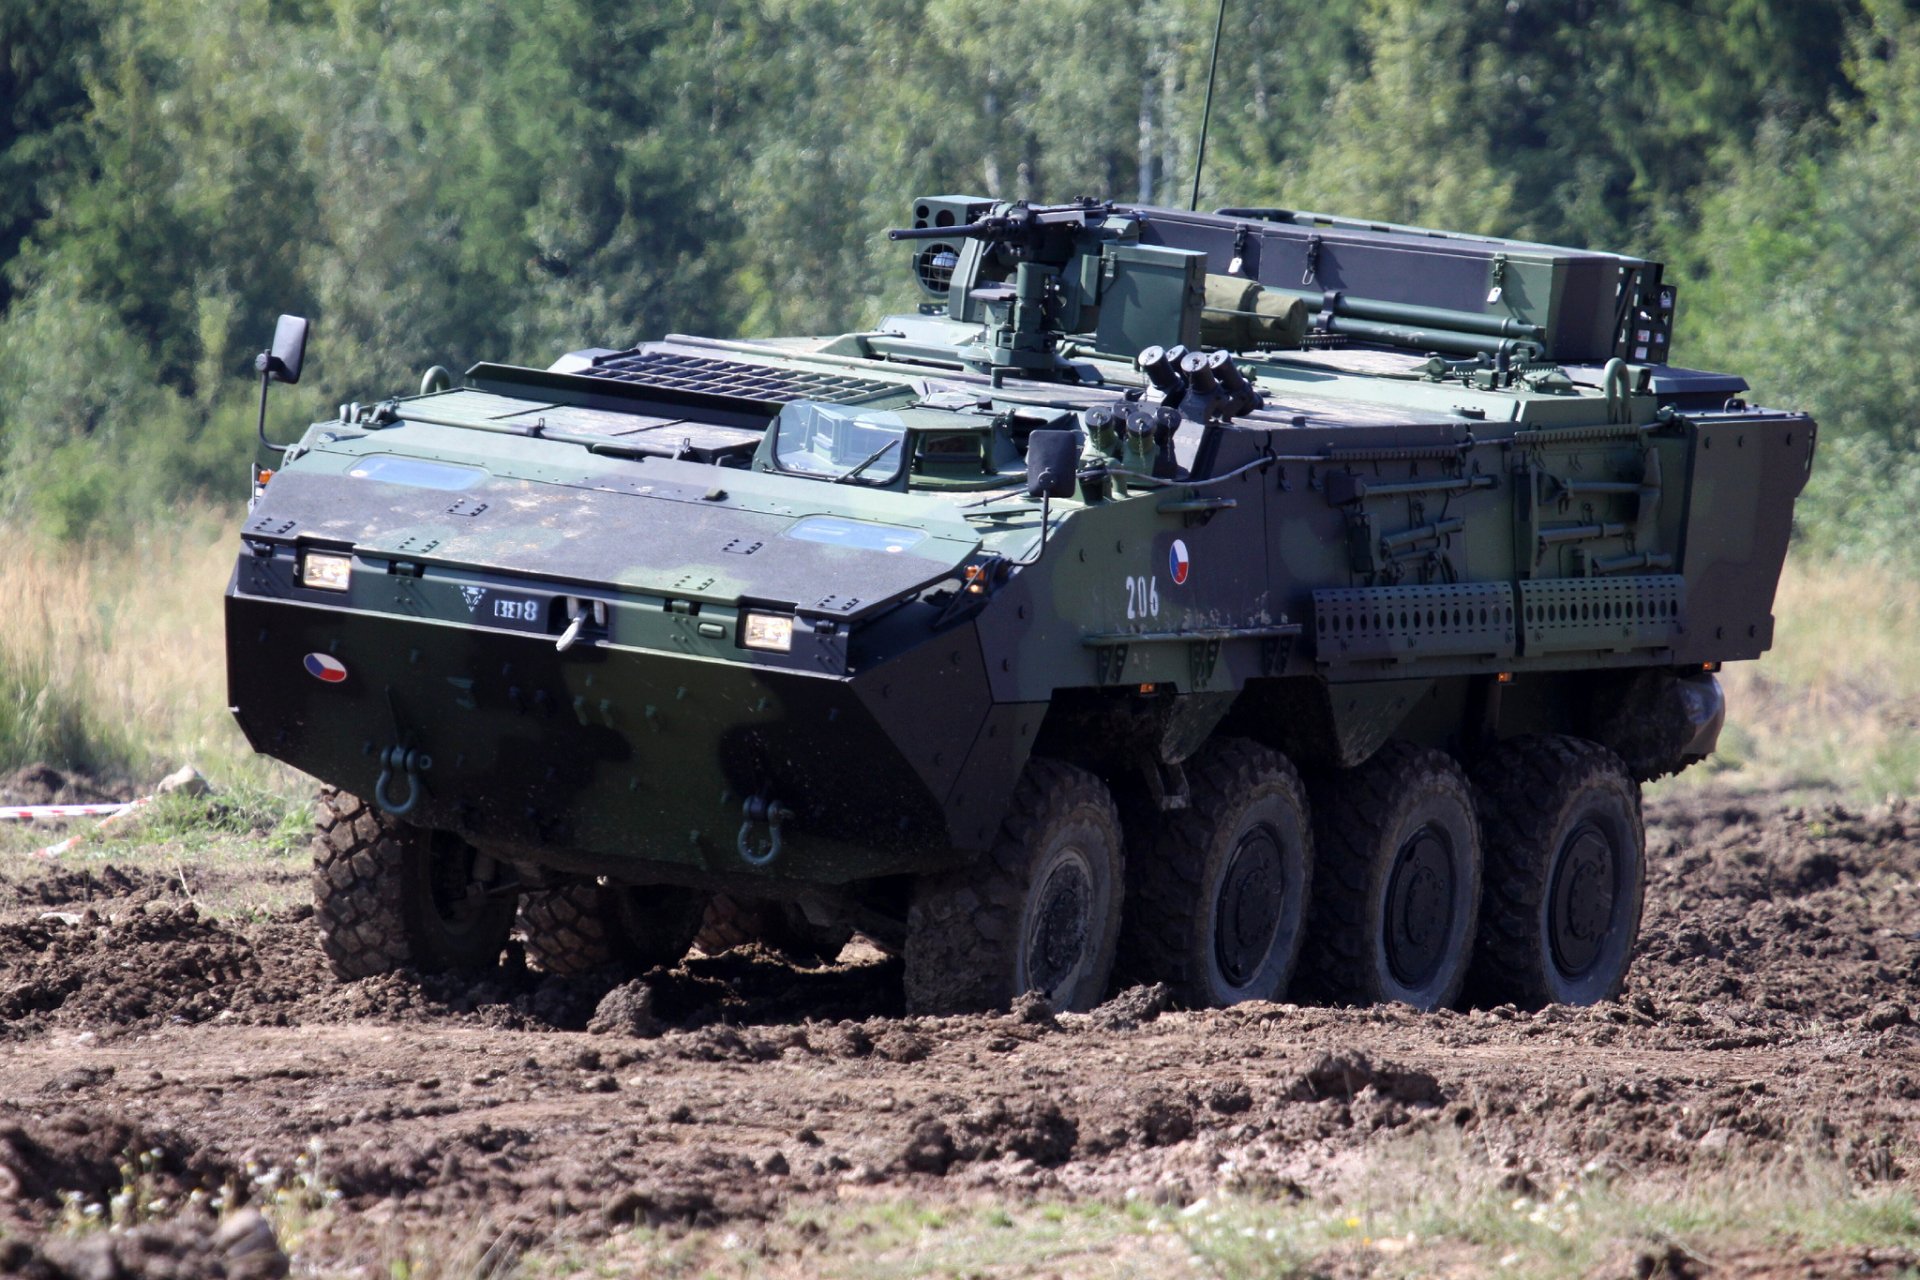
(1254, 601)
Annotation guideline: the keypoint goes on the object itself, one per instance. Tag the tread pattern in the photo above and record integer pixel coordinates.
(1352, 810)
(1524, 787)
(566, 929)
(1167, 899)
(734, 922)
(584, 925)
(358, 862)
(963, 926)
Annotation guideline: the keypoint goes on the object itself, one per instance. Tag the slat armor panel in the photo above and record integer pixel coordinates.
(1645, 612)
(1361, 624)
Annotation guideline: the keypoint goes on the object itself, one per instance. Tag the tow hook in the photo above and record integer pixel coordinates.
(409, 761)
(773, 813)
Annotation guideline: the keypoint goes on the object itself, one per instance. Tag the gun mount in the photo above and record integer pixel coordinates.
(1110, 279)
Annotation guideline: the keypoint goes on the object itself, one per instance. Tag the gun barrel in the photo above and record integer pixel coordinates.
(965, 231)
(1024, 221)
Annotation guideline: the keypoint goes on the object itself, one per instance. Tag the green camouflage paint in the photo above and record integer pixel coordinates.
(1401, 539)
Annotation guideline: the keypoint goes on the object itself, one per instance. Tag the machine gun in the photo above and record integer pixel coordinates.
(1027, 233)
(1015, 264)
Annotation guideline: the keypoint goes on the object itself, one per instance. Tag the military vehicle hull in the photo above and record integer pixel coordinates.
(615, 755)
(817, 621)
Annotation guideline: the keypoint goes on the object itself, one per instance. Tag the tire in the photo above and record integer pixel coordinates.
(1039, 912)
(585, 925)
(735, 922)
(1396, 881)
(1566, 876)
(389, 896)
(1217, 892)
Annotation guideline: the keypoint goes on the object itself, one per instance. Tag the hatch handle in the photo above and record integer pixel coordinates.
(580, 613)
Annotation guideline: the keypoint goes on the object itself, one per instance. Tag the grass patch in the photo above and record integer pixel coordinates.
(240, 854)
(1430, 1206)
(1835, 706)
(271, 822)
(892, 1239)
(112, 657)
(1423, 1207)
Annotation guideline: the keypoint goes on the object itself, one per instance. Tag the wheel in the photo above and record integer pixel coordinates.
(1566, 873)
(1040, 912)
(1396, 880)
(585, 925)
(734, 922)
(389, 896)
(1217, 893)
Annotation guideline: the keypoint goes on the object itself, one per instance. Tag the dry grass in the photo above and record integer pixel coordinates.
(1836, 705)
(111, 658)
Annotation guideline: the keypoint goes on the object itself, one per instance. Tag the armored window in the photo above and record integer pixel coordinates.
(833, 442)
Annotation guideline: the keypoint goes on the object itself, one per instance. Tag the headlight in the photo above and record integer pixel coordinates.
(324, 571)
(768, 631)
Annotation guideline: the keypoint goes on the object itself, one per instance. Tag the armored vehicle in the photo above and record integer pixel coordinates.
(1255, 601)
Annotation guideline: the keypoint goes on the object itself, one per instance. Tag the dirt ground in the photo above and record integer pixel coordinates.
(177, 1059)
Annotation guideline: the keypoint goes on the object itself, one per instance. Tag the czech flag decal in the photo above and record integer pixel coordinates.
(1178, 563)
(325, 667)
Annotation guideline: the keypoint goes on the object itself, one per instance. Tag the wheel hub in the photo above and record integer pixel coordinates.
(1582, 899)
(1061, 922)
(1420, 907)
(1251, 902)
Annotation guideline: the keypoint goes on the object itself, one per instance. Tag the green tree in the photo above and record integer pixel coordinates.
(45, 51)
(1802, 276)
(507, 179)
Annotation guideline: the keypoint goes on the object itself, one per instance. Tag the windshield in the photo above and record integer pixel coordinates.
(834, 441)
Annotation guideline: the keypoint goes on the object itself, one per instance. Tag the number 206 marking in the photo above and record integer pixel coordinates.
(1143, 597)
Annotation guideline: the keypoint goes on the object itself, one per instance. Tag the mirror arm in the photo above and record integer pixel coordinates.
(1046, 515)
(264, 363)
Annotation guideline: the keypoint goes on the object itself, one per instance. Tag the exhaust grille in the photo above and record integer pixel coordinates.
(735, 379)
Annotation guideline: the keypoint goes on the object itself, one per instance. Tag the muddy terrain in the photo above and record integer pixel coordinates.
(162, 1064)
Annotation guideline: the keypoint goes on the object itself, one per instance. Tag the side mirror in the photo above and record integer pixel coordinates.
(282, 361)
(1053, 457)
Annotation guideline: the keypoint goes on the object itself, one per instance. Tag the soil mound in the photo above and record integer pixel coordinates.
(241, 1248)
(155, 963)
(90, 1155)
(1774, 917)
(1761, 924)
(63, 885)
(1344, 1075)
(43, 784)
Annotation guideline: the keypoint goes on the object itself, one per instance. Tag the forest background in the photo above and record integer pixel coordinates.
(510, 179)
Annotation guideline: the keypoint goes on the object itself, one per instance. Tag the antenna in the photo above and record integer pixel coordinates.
(1206, 112)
